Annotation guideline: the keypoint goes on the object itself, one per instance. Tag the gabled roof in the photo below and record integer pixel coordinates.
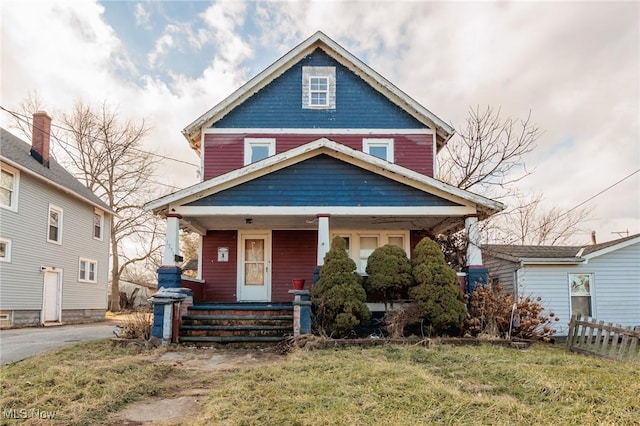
(319, 40)
(16, 153)
(557, 254)
(485, 206)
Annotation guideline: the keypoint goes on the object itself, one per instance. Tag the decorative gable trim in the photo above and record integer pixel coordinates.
(193, 132)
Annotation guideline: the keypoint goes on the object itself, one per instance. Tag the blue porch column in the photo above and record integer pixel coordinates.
(301, 312)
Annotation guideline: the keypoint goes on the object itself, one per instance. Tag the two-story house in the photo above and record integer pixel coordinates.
(54, 237)
(316, 145)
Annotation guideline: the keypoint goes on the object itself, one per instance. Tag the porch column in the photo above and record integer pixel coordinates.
(324, 243)
(477, 274)
(169, 274)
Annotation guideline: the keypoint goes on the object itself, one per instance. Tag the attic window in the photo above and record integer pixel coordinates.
(318, 87)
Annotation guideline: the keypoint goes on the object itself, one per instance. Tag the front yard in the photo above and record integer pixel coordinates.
(93, 383)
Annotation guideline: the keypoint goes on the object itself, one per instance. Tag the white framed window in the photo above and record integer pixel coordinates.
(361, 243)
(379, 147)
(9, 183)
(256, 149)
(98, 224)
(54, 228)
(318, 87)
(88, 270)
(580, 290)
(5, 250)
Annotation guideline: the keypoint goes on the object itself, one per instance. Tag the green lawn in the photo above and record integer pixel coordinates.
(386, 385)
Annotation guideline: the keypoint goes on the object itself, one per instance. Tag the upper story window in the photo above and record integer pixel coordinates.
(256, 149)
(9, 178)
(5, 250)
(88, 271)
(98, 224)
(318, 87)
(379, 147)
(54, 230)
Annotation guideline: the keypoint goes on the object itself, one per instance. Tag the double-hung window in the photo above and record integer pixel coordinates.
(54, 229)
(9, 178)
(318, 91)
(318, 87)
(256, 149)
(98, 224)
(88, 271)
(580, 289)
(379, 147)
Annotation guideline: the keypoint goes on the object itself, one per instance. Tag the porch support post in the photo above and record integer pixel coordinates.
(169, 274)
(324, 244)
(477, 273)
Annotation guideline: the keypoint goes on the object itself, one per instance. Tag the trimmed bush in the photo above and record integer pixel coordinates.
(436, 295)
(338, 296)
(389, 273)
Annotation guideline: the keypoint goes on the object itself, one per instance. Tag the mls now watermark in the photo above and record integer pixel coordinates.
(27, 413)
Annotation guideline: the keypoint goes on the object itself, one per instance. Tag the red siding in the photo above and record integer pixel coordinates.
(225, 152)
(293, 256)
(219, 277)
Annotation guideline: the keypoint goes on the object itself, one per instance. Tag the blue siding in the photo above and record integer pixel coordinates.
(322, 181)
(279, 104)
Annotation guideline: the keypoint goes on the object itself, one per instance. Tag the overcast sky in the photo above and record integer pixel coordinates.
(574, 65)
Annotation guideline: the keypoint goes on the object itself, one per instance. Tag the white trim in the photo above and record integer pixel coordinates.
(100, 213)
(7, 250)
(612, 248)
(60, 211)
(249, 143)
(388, 143)
(442, 211)
(316, 131)
(16, 187)
(336, 150)
(88, 263)
(338, 53)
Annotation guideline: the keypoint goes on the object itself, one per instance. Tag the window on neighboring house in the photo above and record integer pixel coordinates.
(5, 250)
(54, 231)
(256, 149)
(381, 148)
(88, 271)
(319, 87)
(9, 178)
(98, 224)
(580, 289)
(360, 244)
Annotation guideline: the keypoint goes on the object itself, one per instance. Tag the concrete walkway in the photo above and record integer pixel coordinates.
(20, 343)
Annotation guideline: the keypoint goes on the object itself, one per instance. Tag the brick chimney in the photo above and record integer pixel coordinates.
(40, 137)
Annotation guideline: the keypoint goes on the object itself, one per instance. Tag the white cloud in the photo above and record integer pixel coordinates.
(143, 17)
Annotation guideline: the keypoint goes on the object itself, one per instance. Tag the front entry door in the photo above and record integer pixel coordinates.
(254, 274)
(51, 297)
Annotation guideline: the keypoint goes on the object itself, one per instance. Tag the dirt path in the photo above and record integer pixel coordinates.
(185, 404)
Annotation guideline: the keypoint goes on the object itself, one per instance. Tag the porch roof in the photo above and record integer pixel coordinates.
(438, 218)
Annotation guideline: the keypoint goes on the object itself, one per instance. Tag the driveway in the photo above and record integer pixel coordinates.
(20, 343)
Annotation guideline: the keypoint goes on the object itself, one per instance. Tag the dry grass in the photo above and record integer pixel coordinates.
(386, 385)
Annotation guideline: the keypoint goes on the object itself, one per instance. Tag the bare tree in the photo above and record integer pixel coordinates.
(487, 154)
(105, 151)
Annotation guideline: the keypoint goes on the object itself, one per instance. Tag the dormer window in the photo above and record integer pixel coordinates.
(318, 87)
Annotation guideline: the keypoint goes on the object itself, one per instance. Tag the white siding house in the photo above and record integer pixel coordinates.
(54, 237)
(601, 281)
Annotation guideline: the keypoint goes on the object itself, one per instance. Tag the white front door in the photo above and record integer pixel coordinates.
(254, 267)
(51, 296)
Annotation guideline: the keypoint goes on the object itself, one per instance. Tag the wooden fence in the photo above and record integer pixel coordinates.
(589, 337)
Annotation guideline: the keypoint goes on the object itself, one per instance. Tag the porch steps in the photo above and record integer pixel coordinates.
(211, 323)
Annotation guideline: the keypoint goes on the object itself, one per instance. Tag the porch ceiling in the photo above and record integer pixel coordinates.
(435, 225)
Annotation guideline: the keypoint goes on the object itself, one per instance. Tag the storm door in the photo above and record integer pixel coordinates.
(254, 271)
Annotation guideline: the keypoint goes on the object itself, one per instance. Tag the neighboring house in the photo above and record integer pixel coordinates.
(601, 280)
(54, 237)
(316, 145)
(137, 294)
